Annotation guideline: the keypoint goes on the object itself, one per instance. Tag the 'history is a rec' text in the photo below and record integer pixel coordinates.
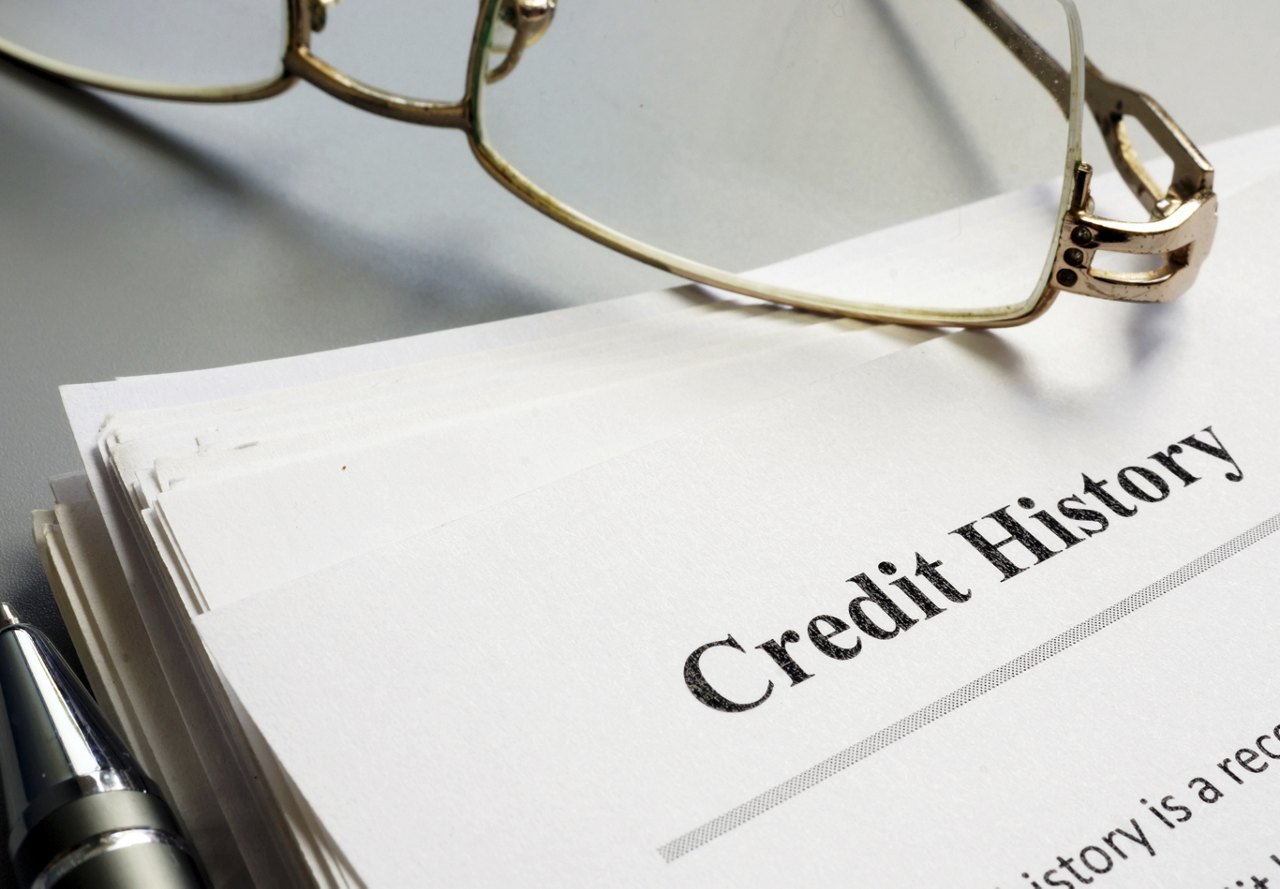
(1011, 539)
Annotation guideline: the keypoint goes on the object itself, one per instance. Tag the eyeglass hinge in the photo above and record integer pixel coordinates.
(1178, 237)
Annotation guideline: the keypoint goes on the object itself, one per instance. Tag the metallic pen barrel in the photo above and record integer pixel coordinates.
(81, 811)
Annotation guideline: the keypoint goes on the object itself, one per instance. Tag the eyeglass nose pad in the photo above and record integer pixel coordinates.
(528, 21)
(320, 13)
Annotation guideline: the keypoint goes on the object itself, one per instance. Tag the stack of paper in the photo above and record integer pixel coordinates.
(581, 598)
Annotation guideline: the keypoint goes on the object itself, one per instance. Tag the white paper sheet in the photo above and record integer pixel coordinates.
(521, 674)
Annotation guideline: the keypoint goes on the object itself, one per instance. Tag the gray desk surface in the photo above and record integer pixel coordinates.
(141, 237)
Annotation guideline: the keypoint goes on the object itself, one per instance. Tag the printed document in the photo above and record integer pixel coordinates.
(997, 610)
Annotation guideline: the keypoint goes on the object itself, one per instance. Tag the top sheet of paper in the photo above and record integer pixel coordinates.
(519, 695)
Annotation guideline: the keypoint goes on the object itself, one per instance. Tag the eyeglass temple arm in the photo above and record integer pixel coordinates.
(1182, 217)
(1044, 67)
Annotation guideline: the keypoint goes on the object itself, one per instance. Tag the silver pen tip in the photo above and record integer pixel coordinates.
(7, 617)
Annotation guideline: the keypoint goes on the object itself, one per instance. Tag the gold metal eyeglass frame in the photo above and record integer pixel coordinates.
(1179, 230)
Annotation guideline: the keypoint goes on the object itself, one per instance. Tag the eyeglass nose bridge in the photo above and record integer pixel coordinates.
(301, 62)
(307, 16)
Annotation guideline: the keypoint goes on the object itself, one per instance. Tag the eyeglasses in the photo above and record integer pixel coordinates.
(738, 144)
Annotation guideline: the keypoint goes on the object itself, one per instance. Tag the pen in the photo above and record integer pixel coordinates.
(82, 813)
